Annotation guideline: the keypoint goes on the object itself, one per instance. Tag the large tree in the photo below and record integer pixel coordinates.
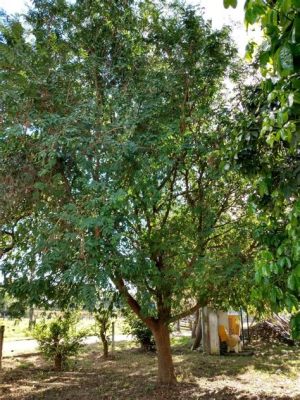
(114, 114)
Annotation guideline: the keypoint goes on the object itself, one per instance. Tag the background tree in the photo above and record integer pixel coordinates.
(59, 339)
(104, 311)
(271, 137)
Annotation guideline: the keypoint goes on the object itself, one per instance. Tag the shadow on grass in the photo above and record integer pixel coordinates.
(132, 375)
(272, 359)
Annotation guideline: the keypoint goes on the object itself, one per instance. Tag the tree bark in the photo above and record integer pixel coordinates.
(166, 373)
(105, 344)
(195, 323)
(1, 343)
(198, 334)
(31, 318)
(58, 362)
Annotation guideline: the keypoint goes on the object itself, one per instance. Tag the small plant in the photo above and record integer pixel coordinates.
(104, 313)
(135, 327)
(58, 338)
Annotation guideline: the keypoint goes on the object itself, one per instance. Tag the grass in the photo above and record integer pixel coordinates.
(15, 329)
(18, 329)
(272, 373)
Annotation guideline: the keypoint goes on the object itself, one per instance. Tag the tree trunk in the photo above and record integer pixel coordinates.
(31, 318)
(195, 323)
(105, 344)
(58, 362)
(1, 343)
(166, 374)
(198, 334)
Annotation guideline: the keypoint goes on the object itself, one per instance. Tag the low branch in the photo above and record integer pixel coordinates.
(133, 304)
(185, 313)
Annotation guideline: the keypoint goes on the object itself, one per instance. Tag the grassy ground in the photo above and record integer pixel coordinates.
(15, 329)
(272, 373)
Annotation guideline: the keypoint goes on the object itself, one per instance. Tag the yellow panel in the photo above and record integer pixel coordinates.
(234, 324)
(223, 333)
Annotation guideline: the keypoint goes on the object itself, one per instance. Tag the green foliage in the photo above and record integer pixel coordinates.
(11, 307)
(230, 3)
(137, 328)
(126, 135)
(295, 325)
(268, 152)
(124, 140)
(58, 338)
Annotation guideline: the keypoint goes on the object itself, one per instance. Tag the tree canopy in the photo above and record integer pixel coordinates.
(115, 135)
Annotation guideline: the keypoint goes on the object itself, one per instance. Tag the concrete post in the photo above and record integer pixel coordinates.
(214, 343)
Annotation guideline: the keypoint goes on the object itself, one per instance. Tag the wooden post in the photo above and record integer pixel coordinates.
(113, 338)
(1, 344)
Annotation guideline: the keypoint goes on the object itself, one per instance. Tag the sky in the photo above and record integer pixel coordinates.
(213, 9)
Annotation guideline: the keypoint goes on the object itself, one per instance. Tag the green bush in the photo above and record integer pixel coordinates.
(135, 327)
(58, 338)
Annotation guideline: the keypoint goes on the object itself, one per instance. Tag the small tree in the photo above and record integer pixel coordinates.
(105, 311)
(58, 338)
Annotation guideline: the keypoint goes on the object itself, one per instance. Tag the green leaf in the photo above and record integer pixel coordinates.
(263, 187)
(230, 3)
(254, 10)
(296, 4)
(296, 30)
(284, 60)
(264, 58)
(292, 282)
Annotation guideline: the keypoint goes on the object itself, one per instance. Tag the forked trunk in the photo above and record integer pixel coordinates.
(166, 374)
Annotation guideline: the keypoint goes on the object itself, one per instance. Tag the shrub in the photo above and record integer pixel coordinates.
(135, 327)
(58, 338)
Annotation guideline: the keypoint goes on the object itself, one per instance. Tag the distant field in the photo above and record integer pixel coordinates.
(18, 329)
(15, 329)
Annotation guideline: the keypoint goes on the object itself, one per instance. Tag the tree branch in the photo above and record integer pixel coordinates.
(133, 304)
(185, 313)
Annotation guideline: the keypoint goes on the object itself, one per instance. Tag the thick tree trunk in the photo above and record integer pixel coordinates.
(198, 334)
(166, 374)
(58, 362)
(105, 344)
(195, 323)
